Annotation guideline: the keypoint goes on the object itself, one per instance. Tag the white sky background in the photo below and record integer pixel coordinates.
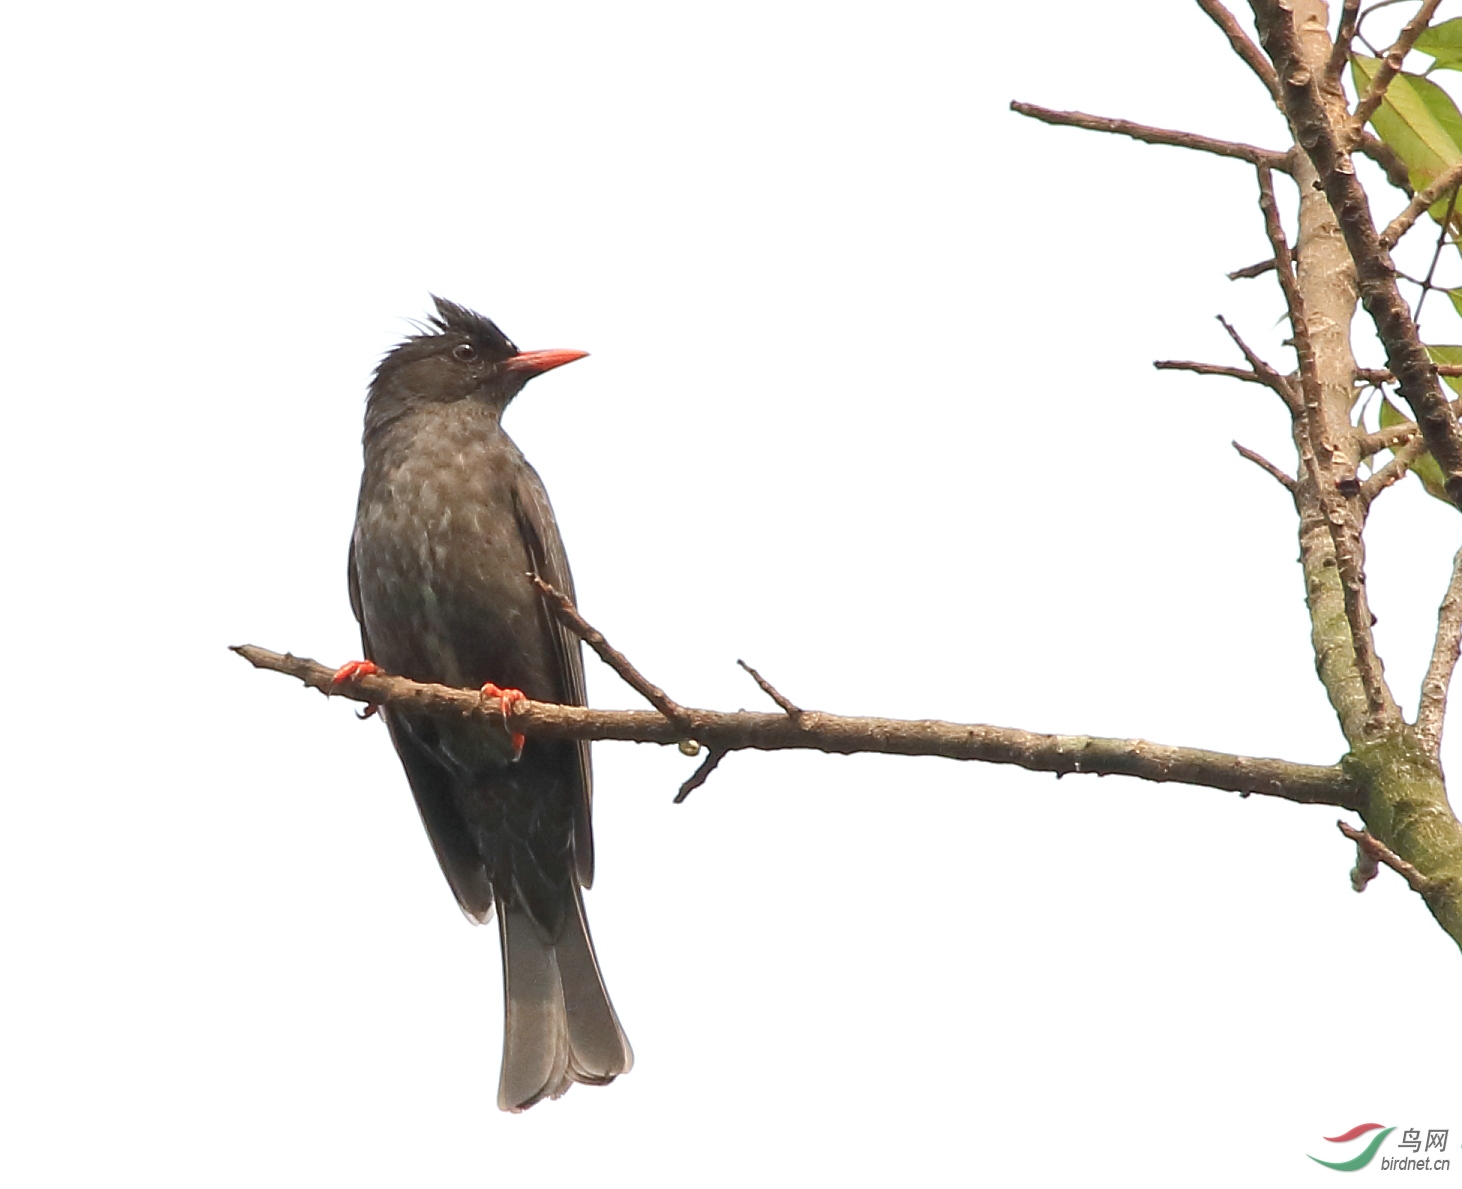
(871, 405)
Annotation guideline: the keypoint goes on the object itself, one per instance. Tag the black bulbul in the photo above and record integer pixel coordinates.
(451, 525)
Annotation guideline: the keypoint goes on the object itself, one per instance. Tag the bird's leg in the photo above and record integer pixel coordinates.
(507, 699)
(352, 670)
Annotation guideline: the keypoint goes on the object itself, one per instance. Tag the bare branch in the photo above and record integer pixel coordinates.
(1266, 374)
(1317, 455)
(1446, 182)
(1432, 708)
(1386, 439)
(1405, 354)
(1145, 132)
(771, 691)
(1265, 465)
(1391, 64)
(702, 773)
(1403, 458)
(1378, 852)
(1365, 869)
(1344, 35)
(1244, 46)
(1251, 271)
(1388, 159)
(1295, 304)
(841, 735)
(1377, 375)
(563, 607)
(1209, 369)
(1426, 283)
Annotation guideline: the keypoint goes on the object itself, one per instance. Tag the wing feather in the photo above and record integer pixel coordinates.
(539, 531)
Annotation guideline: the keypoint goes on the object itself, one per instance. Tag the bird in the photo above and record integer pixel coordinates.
(452, 526)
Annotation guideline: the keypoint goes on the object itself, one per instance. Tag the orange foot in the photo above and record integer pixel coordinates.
(354, 669)
(508, 698)
(351, 671)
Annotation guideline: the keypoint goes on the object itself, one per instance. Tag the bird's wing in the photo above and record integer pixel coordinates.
(354, 581)
(539, 531)
(433, 789)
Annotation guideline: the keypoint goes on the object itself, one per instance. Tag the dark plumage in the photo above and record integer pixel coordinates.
(451, 522)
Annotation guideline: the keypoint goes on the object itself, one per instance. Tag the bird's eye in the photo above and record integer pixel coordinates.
(466, 352)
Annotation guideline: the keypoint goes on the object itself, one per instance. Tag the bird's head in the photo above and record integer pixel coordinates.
(460, 355)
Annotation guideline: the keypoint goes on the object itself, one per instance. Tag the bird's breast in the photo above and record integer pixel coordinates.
(441, 563)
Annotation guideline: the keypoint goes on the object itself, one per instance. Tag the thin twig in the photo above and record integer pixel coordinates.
(564, 609)
(1167, 136)
(1210, 369)
(1391, 64)
(1385, 439)
(1265, 465)
(1367, 15)
(1244, 46)
(845, 735)
(1378, 852)
(1366, 869)
(1344, 35)
(1447, 180)
(1380, 375)
(1294, 300)
(1251, 271)
(1426, 285)
(702, 773)
(1388, 159)
(1403, 458)
(793, 710)
(1432, 707)
(1267, 375)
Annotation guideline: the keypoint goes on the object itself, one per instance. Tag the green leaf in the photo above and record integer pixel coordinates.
(1419, 120)
(1416, 118)
(1444, 43)
(1456, 297)
(1426, 469)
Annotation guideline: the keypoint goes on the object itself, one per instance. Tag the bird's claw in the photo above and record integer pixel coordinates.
(507, 699)
(352, 671)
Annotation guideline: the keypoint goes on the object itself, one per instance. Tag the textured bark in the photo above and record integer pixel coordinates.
(1290, 33)
(844, 735)
(1341, 257)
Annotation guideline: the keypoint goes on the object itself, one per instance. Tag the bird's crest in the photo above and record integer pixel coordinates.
(454, 319)
(450, 319)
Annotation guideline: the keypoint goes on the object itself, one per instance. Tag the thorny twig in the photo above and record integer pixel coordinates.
(564, 609)
(1146, 132)
(1373, 849)
(1265, 465)
(791, 708)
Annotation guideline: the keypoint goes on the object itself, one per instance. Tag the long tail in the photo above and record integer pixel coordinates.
(561, 1027)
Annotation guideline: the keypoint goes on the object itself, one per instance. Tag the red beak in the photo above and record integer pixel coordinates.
(535, 363)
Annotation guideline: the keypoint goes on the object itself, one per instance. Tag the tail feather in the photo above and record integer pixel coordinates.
(598, 1048)
(560, 1025)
